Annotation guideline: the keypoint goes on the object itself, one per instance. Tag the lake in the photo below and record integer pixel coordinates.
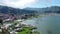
(46, 24)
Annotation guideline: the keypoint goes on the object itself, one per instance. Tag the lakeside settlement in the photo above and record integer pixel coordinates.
(12, 25)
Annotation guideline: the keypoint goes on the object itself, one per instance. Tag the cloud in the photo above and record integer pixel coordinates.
(18, 3)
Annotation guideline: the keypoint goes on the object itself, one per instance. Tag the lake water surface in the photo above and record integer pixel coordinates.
(46, 24)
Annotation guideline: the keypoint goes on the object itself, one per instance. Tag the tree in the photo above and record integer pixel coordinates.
(1, 21)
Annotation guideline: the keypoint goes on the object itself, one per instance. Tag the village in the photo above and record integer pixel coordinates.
(12, 24)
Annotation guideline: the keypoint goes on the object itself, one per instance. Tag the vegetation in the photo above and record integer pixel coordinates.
(1, 21)
(38, 16)
(0, 32)
(25, 31)
(28, 30)
(36, 32)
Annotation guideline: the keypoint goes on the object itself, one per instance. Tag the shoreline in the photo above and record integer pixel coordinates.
(50, 14)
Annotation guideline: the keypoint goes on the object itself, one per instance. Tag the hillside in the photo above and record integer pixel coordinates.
(52, 9)
(7, 10)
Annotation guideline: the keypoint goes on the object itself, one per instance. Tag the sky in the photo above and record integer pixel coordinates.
(30, 3)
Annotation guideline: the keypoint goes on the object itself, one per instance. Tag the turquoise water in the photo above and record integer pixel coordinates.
(47, 24)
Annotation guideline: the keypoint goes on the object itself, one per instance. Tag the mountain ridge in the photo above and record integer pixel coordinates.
(7, 10)
(52, 9)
